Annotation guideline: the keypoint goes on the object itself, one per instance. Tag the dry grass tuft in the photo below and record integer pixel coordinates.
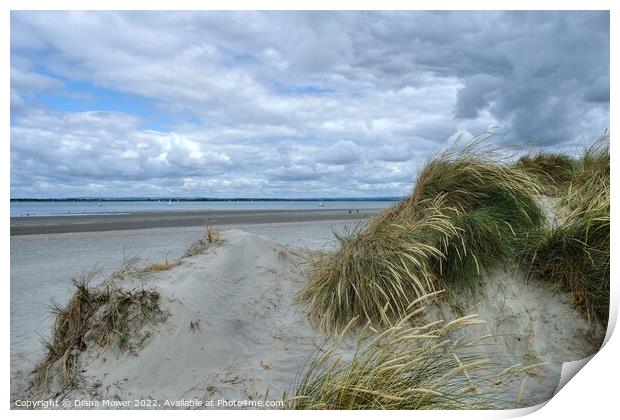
(465, 215)
(158, 267)
(106, 316)
(211, 238)
(130, 267)
(404, 367)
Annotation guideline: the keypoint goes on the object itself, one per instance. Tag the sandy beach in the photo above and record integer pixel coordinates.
(42, 265)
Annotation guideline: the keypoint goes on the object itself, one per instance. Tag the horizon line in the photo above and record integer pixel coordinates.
(198, 198)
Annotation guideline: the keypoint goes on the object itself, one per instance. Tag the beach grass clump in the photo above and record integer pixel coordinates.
(404, 367)
(213, 236)
(555, 171)
(576, 253)
(592, 176)
(490, 202)
(488, 236)
(469, 177)
(377, 271)
(130, 267)
(159, 267)
(465, 216)
(106, 316)
(210, 239)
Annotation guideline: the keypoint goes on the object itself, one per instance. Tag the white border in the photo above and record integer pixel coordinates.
(591, 395)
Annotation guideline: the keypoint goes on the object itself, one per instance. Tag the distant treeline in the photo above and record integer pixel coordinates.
(95, 199)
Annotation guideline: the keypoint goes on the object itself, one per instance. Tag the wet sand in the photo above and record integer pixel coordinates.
(145, 220)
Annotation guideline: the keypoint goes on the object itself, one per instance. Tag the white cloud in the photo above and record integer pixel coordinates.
(294, 103)
(340, 153)
(32, 82)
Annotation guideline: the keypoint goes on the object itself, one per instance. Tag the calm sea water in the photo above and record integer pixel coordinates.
(54, 208)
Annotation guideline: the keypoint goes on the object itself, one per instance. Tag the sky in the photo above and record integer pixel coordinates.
(289, 104)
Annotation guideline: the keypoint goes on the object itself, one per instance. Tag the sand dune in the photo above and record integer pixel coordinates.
(531, 323)
(233, 332)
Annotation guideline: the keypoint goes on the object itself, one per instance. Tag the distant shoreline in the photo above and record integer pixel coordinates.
(36, 225)
(195, 199)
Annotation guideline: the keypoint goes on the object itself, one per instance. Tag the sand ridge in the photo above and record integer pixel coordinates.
(232, 332)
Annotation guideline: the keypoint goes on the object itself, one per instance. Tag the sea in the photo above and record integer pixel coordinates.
(71, 208)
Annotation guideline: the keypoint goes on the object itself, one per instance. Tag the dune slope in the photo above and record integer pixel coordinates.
(231, 331)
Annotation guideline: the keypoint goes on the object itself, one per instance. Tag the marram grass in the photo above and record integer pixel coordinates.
(555, 171)
(465, 215)
(406, 367)
(591, 177)
(488, 236)
(107, 316)
(490, 203)
(382, 268)
(575, 254)
(470, 177)
(210, 239)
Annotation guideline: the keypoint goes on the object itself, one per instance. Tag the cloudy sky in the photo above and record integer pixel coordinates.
(289, 104)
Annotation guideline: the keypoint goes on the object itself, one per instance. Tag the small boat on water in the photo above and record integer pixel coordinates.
(321, 204)
(169, 202)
